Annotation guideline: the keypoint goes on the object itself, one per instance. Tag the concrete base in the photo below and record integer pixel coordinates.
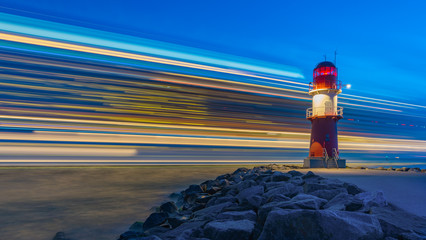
(321, 162)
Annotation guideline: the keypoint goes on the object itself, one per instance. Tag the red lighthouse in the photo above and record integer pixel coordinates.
(324, 114)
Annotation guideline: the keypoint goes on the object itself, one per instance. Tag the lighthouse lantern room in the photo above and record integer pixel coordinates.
(324, 114)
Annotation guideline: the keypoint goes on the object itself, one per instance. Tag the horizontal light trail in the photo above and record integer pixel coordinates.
(70, 95)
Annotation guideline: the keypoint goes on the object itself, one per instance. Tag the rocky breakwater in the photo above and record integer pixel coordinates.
(261, 203)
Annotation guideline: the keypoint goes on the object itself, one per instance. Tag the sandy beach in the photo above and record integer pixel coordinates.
(85, 202)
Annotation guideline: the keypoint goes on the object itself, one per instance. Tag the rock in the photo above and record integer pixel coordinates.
(404, 169)
(398, 169)
(168, 207)
(155, 219)
(298, 181)
(137, 227)
(229, 230)
(152, 237)
(224, 176)
(305, 201)
(249, 192)
(324, 224)
(286, 189)
(176, 221)
(125, 236)
(279, 176)
(301, 201)
(238, 215)
(184, 231)
(240, 170)
(295, 173)
(193, 189)
(212, 211)
(312, 187)
(390, 169)
(310, 175)
(352, 188)
(414, 170)
(277, 198)
(370, 199)
(60, 236)
(380, 168)
(339, 202)
(328, 194)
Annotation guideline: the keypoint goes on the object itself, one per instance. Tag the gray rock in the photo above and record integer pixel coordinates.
(284, 188)
(339, 202)
(238, 215)
(324, 224)
(298, 181)
(301, 201)
(329, 193)
(193, 189)
(152, 237)
(370, 199)
(60, 236)
(184, 231)
(168, 207)
(310, 175)
(229, 230)
(247, 193)
(137, 227)
(277, 198)
(279, 176)
(155, 219)
(212, 211)
(245, 184)
(295, 173)
(352, 188)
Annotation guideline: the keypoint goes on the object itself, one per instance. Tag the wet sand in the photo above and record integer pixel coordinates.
(101, 202)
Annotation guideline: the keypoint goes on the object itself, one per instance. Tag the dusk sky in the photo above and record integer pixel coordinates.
(380, 44)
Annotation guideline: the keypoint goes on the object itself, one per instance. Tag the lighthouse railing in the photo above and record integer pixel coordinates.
(323, 111)
(325, 85)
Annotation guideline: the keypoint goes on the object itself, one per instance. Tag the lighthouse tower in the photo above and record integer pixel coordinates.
(324, 114)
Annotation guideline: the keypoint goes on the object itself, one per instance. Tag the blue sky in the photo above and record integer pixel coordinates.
(381, 45)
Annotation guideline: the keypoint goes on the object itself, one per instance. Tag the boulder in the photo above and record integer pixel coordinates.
(295, 173)
(229, 230)
(277, 198)
(60, 236)
(168, 207)
(137, 227)
(370, 199)
(352, 188)
(310, 175)
(339, 202)
(284, 188)
(250, 192)
(155, 219)
(323, 224)
(329, 193)
(279, 176)
(238, 215)
(193, 189)
(211, 212)
(185, 231)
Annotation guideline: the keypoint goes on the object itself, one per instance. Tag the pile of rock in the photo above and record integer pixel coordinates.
(402, 169)
(261, 203)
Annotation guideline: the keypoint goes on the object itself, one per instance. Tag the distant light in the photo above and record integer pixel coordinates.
(348, 86)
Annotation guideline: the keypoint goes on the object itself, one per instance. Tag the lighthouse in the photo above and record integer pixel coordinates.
(324, 115)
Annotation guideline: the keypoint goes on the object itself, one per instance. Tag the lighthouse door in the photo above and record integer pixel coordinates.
(328, 108)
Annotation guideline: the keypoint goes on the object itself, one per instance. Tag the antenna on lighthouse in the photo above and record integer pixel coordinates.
(335, 57)
(325, 57)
